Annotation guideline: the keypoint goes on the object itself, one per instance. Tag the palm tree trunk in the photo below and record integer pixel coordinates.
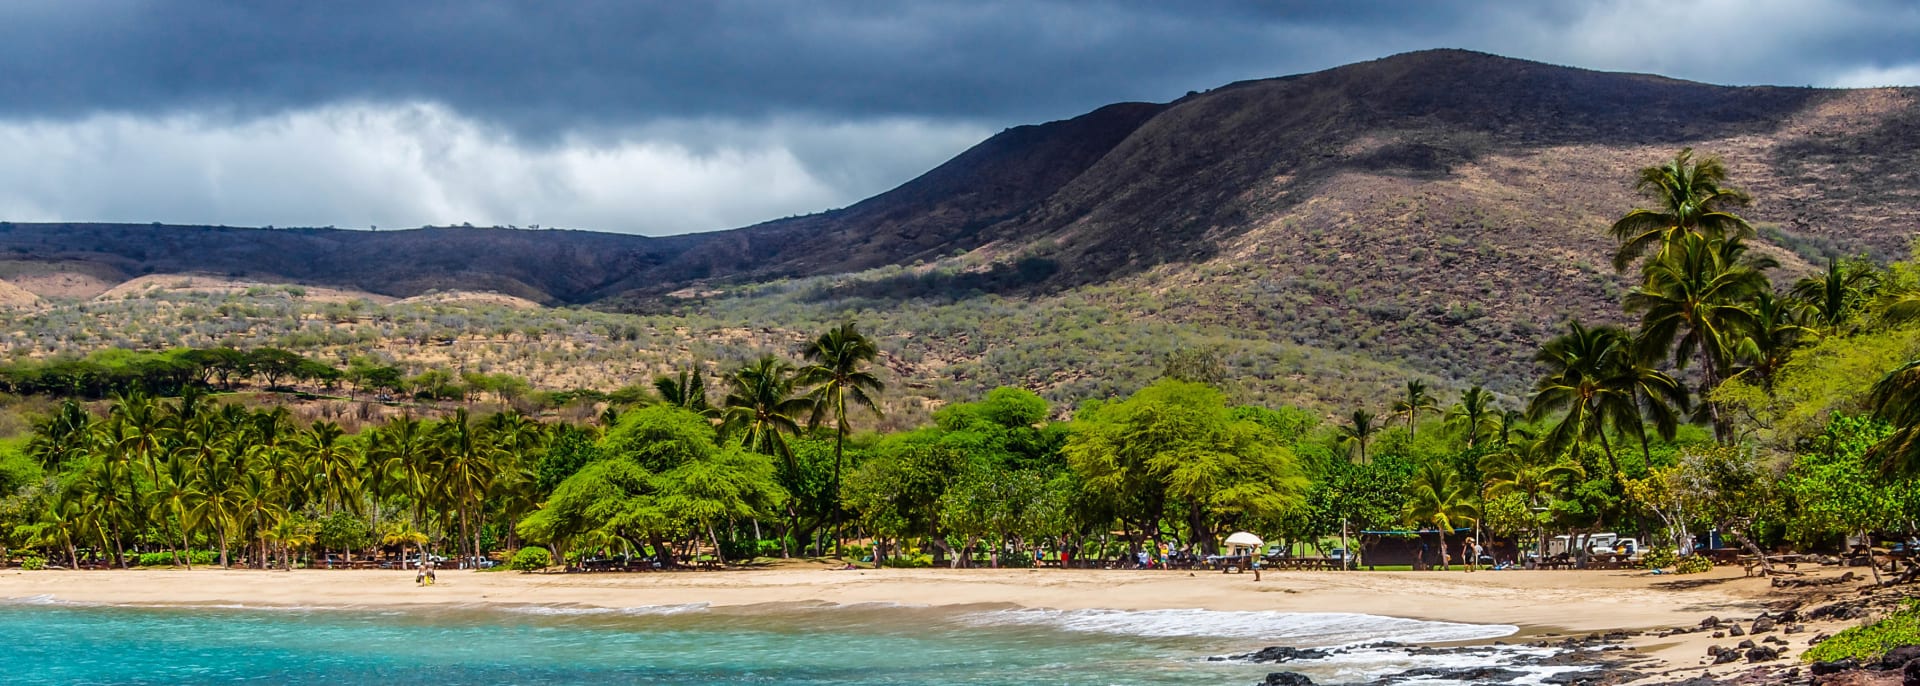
(1612, 464)
(223, 549)
(839, 440)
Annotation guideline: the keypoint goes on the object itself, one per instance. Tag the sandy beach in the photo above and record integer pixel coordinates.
(1541, 603)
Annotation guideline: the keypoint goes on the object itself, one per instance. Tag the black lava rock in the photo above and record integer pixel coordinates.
(1899, 657)
(1834, 667)
(1762, 654)
(1278, 654)
(1287, 679)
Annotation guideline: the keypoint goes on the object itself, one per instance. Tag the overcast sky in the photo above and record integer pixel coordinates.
(668, 117)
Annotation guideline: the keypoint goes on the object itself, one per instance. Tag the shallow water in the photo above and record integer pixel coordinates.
(55, 643)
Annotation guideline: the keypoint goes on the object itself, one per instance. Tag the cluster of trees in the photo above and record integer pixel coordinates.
(1718, 345)
(1771, 414)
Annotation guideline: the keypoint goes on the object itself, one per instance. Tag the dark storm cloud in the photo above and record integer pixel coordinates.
(555, 65)
(674, 116)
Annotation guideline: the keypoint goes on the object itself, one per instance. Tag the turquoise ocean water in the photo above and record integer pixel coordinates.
(48, 642)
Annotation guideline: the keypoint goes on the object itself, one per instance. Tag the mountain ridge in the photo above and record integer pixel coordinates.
(1439, 212)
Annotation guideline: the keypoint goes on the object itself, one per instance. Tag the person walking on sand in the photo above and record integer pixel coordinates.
(1473, 563)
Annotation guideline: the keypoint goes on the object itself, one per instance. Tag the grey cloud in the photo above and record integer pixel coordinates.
(661, 117)
(544, 67)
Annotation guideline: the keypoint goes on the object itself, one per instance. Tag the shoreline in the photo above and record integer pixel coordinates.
(1543, 605)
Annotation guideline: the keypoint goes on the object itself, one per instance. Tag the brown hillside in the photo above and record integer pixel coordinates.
(1439, 211)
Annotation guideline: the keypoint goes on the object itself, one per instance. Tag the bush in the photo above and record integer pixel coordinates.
(910, 562)
(1692, 564)
(532, 558)
(739, 548)
(1866, 643)
(1019, 559)
(166, 559)
(33, 563)
(1659, 558)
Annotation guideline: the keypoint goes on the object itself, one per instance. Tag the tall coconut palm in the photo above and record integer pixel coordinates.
(1837, 296)
(1415, 401)
(1697, 302)
(213, 501)
(145, 422)
(1690, 198)
(335, 463)
(1357, 431)
(762, 409)
(172, 491)
(401, 455)
(1473, 416)
(260, 507)
(465, 470)
(1580, 386)
(1439, 498)
(837, 370)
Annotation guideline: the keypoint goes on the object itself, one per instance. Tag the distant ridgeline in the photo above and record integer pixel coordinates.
(105, 373)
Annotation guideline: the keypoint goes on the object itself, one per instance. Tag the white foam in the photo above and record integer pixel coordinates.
(1303, 629)
(575, 610)
(42, 599)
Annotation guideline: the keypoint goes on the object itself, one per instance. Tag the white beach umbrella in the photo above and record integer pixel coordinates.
(1242, 538)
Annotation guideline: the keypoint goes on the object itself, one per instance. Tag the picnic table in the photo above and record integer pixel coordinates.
(1289, 562)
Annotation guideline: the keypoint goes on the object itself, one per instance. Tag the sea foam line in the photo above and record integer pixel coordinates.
(1316, 629)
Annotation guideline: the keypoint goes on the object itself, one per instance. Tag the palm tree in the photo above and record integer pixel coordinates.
(1697, 302)
(61, 436)
(1529, 468)
(214, 498)
(1896, 401)
(1657, 399)
(1506, 424)
(837, 372)
(466, 470)
(763, 409)
(1473, 416)
(334, 462)
(402, 455)
(1581, 386)
(1770, 340)
(259, 505)
(144, 425)
(1689, 198)
(172, 491)
(687, 391)
(1357, 431)
(1438, 497)
(1415, 401)
(1837, 296)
